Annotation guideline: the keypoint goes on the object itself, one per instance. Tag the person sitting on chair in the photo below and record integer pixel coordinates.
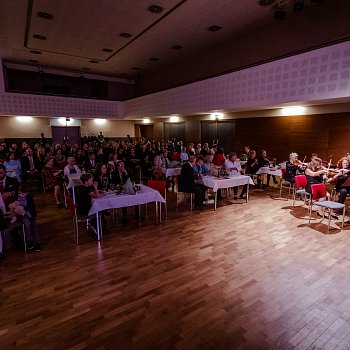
(85, 193)
(233, 167)
(71, 168)
(8, 186)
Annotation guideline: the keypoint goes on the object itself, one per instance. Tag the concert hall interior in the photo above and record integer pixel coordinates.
(174, 174)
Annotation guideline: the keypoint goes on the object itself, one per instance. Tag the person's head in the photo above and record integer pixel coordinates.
(314, 155)
(293, 157)
(246, 149)
(92, 156)
(42, 134)
(2, 172)
(315, 163)
(23, 190)
(49, 162)
(101, 169)
(14, 145)
(209, 158)
(29, 152)
(200, 161)
(79, 152)
(41, 151)
(232, 157)
(11, 156)
(59, 152)
(121, 166)
(71, 161)
(252, 154)
(192, 159)
(86, 179)
(343, 163)
(264, 153)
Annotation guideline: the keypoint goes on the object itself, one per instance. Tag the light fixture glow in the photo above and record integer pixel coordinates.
(216, 116)
(146, 120)
(174, 119)
(293, 110)
(100, 121)
(24, 119)
(65, 121)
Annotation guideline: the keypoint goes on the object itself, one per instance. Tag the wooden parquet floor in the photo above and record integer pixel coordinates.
(247, 276)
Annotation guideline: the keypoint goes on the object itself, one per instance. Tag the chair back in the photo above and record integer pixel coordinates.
(283, 173)
(158, 185)
(70, 204)
(318, 191)
(300, 181)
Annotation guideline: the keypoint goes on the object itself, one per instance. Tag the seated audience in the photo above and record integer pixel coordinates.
(71, 167)
(8, 186)
(85, 193)
(264, 161)
(102, 177)
(233, 167)
(90, 163)
(30, 165)
(13, 167)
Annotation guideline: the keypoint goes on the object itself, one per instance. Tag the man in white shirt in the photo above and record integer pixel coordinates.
(233, 167)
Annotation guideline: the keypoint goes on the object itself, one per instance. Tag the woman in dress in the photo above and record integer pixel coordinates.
(52, 179)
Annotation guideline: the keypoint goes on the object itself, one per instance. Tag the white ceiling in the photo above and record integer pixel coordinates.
(80, 29)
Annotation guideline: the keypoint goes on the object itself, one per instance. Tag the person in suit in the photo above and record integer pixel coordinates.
(187, 183)
(30, 165)
(90, 163)
(8, 186)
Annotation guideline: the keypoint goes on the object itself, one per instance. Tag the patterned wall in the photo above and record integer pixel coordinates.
(312, 76)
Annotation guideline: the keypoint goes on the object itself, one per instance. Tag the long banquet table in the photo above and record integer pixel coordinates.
(231, 181)
(111, 200)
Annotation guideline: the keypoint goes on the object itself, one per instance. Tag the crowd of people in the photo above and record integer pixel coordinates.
(104, 164)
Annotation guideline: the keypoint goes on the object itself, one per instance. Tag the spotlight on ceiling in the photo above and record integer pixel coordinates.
(216, 116)
(293, 110)
(298, 5)
(279, 14)
(174, 119)
(24, 119)
(146, 120)
(100, 121)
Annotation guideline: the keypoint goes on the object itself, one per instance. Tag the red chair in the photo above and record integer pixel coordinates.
(78, 218)
(318, 191)
(160, 186)
(299, 187)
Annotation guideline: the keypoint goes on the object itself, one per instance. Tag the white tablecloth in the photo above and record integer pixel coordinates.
(109, 201)
(171, 171)
(235, 180)
(271, 171)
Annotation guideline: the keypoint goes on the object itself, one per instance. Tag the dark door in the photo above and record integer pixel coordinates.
(174, 131)
(223, 131)
(65, 134)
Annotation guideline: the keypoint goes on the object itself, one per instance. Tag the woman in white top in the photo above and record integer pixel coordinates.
(233, 167)
(71, 168)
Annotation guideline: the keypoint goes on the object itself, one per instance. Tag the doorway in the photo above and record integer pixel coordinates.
(66, 134)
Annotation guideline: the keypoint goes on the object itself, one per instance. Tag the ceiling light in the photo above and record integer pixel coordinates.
(266, 2)
(279, 13)
(177, 47)
(93, 61)
(65, 121)
(125, 35)
(298, 5)
(24, 119)
(100, 121)
(216, 116)
(214, 28)
(146, 120)
(293, 110)
(107, 50)
(36, 52)
(155, 9)
(39, 37)
(45, 15)
(174, 119)
(154, 59)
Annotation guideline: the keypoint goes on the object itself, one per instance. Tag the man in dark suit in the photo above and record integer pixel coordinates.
(30, 165)
(187, 183)
(8, 186)
(90, 163)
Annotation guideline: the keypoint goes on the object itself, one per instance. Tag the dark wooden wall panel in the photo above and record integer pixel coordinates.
(193, 131)
(339, 136)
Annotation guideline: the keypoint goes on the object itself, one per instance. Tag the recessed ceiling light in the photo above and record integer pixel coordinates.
(36, 52)
(135, 68)
(93, 61)
(24, 119)
(125, 35)
(214, 28)
(107, 50)
(85, 68)
(177, 47)
(154, 59)
(33, 61)
(266, 2)
(174, 119)
(39, 37)
(45, 15)
(293, 110)
(155, 9)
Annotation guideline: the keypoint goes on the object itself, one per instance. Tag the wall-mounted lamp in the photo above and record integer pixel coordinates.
(216, 116)
(100, 121)
(24, 119)
(146, 120)
(174, 119)
(293, 110)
